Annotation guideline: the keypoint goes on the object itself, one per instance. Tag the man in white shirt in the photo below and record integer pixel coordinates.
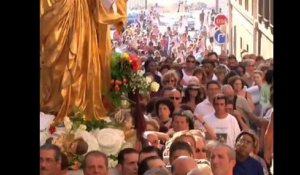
(205, 107)
(225, 125)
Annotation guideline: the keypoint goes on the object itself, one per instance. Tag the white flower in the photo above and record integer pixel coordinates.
(67, 119)
(107, 119)
(148, 79)
(45, 120)
(82, 127)
(59, 131)
(112, 163)
(154, 86)
(68, 126)
(43, 137)
(88, 138)
(140, 72)
(110, 140)
(68, 123)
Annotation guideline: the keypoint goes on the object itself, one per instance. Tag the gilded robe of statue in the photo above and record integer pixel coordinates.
(75, 51)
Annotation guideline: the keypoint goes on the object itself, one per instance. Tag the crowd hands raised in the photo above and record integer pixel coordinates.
(212, 114)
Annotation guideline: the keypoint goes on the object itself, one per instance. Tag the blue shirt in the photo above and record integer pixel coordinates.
(248, 167)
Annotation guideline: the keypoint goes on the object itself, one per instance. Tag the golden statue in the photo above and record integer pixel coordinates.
(75, 52)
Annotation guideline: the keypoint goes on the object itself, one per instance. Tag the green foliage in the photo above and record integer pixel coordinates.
(77, 119)
(113, 157)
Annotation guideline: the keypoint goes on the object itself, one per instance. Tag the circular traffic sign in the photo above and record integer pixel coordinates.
(220, 19)
(220, 37)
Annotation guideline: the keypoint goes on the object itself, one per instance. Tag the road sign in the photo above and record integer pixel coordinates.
(220, 37)
(220, 20)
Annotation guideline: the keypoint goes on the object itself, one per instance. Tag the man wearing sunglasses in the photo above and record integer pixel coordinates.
(188, 70)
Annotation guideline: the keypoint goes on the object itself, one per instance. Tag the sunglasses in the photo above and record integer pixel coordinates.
(198, 150)
(194, 89)
(189, 61)
(173, 98)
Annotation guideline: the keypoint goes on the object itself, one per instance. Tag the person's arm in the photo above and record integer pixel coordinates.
(209, 129)
(268, 143)
(251, 116)
(250, 101)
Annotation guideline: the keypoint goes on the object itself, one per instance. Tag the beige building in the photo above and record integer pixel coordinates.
(251, 27)
(136, 4)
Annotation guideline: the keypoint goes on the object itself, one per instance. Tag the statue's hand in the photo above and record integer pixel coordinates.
(120, 27)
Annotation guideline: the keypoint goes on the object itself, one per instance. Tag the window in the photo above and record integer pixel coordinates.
(240, 2)
(234, 39)
(260, 9)
(247, 48)
(266, 9)
(266, 12)
(271, 12)
(241, 43)
(253, 6)
(247, 5)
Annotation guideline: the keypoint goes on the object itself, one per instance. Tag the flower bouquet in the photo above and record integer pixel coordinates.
(126, 77)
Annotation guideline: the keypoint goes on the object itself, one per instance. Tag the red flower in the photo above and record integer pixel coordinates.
(118, 82)
(117, 88)
(52, 129)
(132, 56)
(112, 82)
(135, 65)
(125, 80)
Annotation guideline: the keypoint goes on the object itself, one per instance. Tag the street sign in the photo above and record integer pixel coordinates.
(220, 37)
(220, 20)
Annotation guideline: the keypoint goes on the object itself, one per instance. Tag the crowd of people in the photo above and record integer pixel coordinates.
(212, 114)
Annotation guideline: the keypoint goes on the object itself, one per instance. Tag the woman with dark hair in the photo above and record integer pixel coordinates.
(193, 94)
(164, 109)
(240, 69)
(201, 75)
(238, 85)
(229, 75)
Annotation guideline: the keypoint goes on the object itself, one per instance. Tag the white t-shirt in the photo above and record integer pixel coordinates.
(204, 108)
(255, 92)
(186, 78)
(226, 128)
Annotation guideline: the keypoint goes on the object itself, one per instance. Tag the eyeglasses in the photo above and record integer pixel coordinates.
(241, 141)
(173, 98)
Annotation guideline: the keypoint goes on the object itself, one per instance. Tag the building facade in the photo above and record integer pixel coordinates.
(251, 27)
(136, 4)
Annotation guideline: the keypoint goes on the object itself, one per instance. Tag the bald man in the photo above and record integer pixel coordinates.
(182, 165)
